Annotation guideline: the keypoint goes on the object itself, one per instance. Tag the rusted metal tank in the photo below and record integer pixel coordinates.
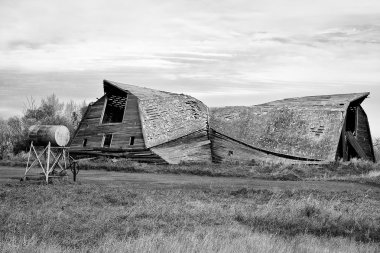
(57, 135)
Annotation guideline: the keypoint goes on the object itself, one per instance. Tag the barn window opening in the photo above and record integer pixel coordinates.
(107, 140)
(114, 110)
(84, 142)
(131, 140)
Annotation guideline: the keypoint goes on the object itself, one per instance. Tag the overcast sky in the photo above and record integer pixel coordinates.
(235, 52)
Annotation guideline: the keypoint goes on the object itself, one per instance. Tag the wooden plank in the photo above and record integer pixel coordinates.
(355, 144)
(225, 148)
(194, 147)
(363, 134)
(80, 126)
(344, 140)
(145, 156)
(92, 126)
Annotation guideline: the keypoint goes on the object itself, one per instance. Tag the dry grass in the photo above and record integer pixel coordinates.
(232, 239)
(98, 218)
(315, 216)
(369, 176)
(265, 170)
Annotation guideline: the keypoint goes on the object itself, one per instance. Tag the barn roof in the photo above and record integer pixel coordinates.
(141, 93)
(304, 127)
(334, 101)
(164, 116)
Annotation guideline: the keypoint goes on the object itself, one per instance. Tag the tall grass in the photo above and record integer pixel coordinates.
(265, 170)
(89, 217)
(231, 239)
(314, 216)
(254, 169)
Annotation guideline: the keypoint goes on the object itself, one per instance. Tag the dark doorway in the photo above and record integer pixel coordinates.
(348, 147)
(351, 119)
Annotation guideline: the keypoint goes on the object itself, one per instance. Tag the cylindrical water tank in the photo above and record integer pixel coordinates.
(57, 135)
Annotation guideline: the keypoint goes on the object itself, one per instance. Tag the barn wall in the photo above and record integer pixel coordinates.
(192, 148)
(226, 149)
(169, 118)
(92, 129)
(307, 133)
(363, 134)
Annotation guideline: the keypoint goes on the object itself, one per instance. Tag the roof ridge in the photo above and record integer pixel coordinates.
(142, 93)
(339, 98)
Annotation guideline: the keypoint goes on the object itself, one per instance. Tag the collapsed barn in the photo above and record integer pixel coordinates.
(148, 125)
(311, 129)
(144, 125)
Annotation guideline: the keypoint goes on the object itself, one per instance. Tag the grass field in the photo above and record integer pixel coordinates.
(264, 170)
(101, 216)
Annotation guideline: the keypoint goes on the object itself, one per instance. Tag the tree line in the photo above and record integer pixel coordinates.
(49, 111)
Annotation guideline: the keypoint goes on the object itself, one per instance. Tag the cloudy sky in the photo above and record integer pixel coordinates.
(225, 52)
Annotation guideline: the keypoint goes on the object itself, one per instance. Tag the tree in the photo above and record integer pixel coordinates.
(50, 111)
(376, 145)
(5, 139)
(18, 134)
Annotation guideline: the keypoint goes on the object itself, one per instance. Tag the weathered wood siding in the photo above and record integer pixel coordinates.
(191, 148)
(306, 133)
(167, 119)
(165, 116)
(363, 134)
(93, 130)
(226, 149)
(138, 155)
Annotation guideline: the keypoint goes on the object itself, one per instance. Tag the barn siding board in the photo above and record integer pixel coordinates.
(170, 118)
(165, 116)
(96, 109)
(191, 148)
(305, 133)
(226, 149)
(92, 129)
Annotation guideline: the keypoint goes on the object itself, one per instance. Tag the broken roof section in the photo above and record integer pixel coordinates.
(335, 101)
(164, 116)
(306, 128)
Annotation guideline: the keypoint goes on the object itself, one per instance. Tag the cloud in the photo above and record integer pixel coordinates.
(362, 34)
(226, 52)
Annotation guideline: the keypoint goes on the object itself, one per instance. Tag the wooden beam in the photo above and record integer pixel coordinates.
(104, 109)
(356, 120)
(344, 141)
(125, 109)
(355, 144)
(369, 133)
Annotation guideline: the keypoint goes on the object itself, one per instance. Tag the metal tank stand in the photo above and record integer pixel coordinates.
(54, 156)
